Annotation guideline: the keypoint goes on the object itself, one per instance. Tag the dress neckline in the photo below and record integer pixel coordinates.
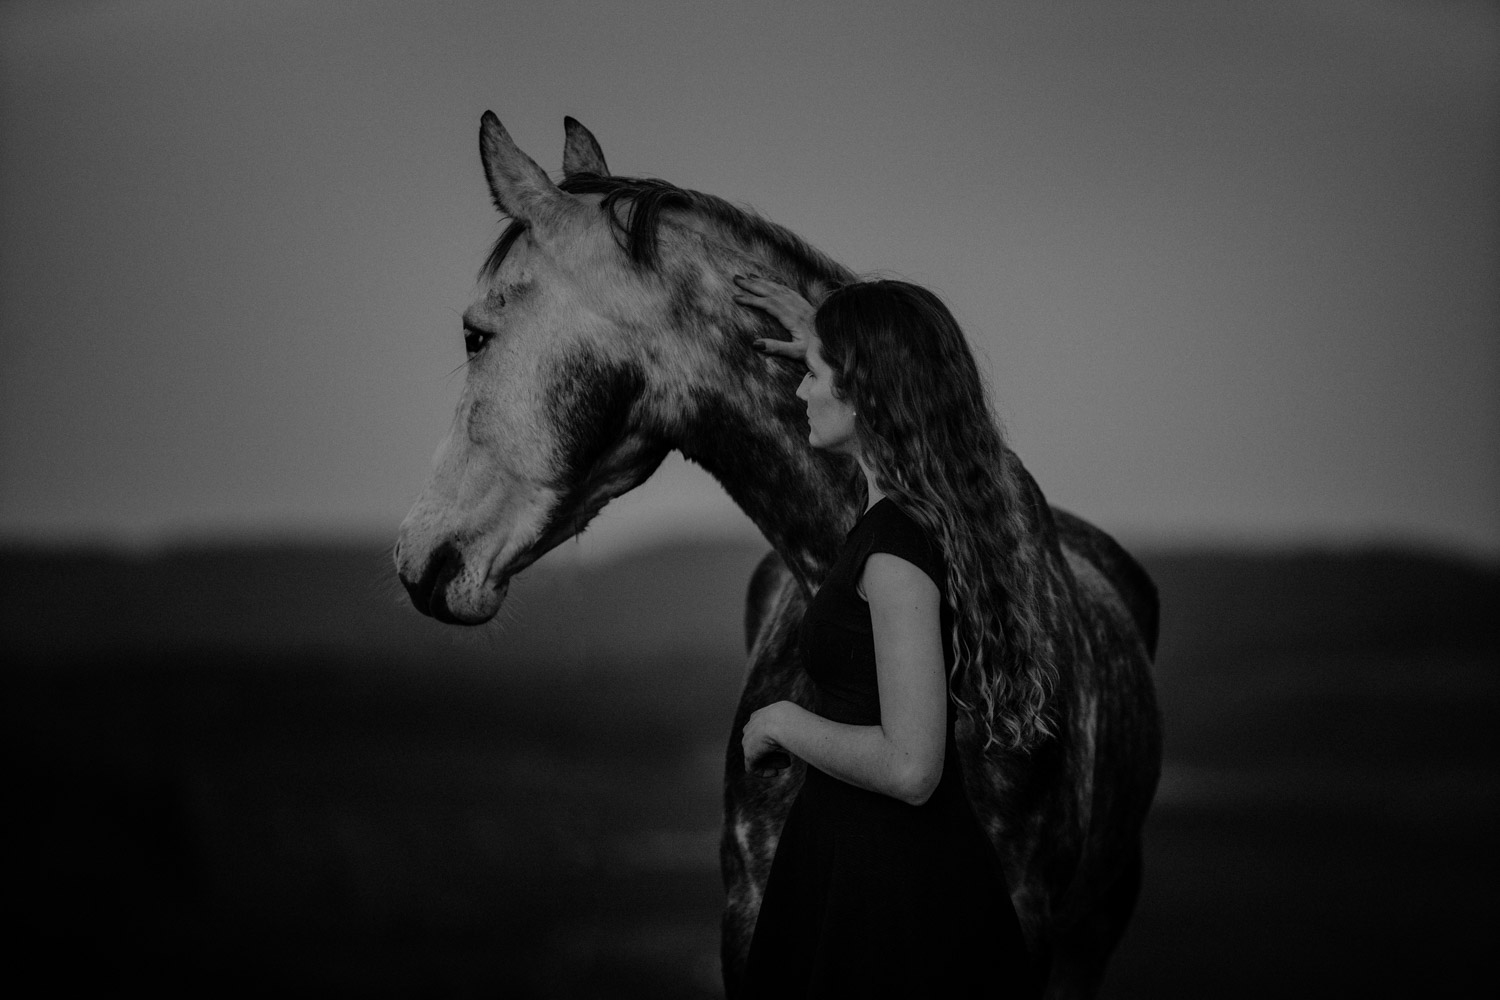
(859, 520)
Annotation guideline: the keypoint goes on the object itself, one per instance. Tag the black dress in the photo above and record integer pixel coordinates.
(869, 896)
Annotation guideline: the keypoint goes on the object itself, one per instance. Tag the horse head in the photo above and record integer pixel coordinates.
(604, 334)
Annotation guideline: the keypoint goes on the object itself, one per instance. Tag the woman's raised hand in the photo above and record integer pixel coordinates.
(788, 308)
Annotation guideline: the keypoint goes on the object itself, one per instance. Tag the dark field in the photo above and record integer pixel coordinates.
(258, 771)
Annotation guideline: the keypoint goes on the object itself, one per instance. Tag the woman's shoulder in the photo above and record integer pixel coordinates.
(887, 516)
(891, 529)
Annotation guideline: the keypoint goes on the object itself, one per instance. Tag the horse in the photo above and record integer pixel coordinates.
(604, 335)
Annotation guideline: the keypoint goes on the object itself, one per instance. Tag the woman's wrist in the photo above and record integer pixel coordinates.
(782, 726)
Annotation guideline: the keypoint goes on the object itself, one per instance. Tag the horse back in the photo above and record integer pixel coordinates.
(1114, 742)
(1129, 578)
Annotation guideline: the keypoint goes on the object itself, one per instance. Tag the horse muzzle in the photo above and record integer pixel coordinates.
(445, 591)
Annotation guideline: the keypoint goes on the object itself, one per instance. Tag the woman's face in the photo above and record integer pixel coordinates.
(830, 420)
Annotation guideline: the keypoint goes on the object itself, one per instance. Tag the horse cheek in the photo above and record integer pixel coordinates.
(590, 404)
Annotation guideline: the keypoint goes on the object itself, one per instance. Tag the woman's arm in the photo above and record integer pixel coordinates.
(903, 755)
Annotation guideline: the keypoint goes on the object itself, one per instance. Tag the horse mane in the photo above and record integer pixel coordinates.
(645, 200)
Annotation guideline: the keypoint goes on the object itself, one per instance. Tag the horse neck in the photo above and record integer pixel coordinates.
(748, 429)
(802, 503)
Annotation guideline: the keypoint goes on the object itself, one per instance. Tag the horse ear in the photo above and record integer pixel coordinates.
(521, 189)
(581, 152)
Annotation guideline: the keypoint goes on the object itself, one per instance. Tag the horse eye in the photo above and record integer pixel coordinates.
(475, 340)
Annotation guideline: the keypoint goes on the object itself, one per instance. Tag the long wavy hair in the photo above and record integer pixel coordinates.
(923, 422)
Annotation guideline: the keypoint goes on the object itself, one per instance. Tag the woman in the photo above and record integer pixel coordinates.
(883, 883)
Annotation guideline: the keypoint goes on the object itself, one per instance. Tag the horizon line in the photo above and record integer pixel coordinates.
(608, 546)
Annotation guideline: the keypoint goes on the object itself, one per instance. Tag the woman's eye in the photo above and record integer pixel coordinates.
(475, 340)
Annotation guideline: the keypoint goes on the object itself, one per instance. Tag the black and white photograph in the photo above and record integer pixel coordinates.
(742, 501)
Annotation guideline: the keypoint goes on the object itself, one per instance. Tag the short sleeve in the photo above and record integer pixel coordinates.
(896, 533)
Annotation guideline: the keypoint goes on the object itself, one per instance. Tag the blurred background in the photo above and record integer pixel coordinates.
(1233, 271)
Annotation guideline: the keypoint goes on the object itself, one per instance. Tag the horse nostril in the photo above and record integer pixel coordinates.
(414, 591)
(426, 593)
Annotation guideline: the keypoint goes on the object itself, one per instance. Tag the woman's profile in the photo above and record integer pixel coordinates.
(883, 883)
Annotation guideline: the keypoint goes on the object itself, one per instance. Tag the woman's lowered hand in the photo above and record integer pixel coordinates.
(764, 754)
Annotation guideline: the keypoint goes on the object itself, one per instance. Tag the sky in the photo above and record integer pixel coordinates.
(1233, 270)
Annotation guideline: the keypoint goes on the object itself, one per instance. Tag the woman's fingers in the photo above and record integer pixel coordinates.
(794, 349)
(771, 296)
(776, 304)
(755, 281)
(772, 763)
(791, 310)
(762, 756)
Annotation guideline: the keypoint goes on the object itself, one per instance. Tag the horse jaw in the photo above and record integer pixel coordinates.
(479, 523)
